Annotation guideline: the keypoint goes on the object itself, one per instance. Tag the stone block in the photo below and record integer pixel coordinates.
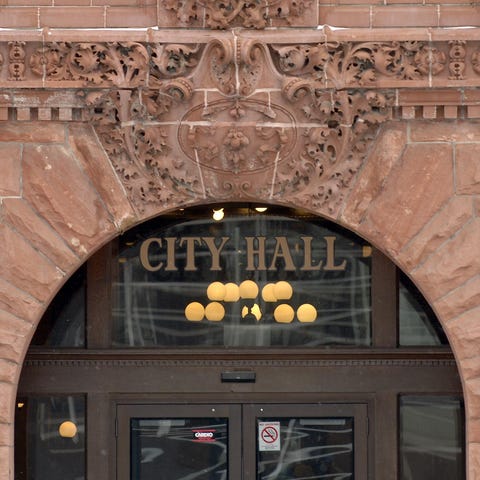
(460, 300)
(63, 195)
(371, 179)
(6, 435)
(10, 166)
(6, 461)
(453, 264)
(7, 401)
(450, 131)
(18, 303)
(464, 332)
(40, 234)
(101, 173)
(24, 267)
(414, 191)
(38, 132)
(456, 213)
(467, 168)
(473, 453)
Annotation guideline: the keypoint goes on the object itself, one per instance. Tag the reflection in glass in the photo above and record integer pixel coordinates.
(150, 306)
(309, 448)
(55, 438)
(431, 438)
(418, 323)
(179, 449)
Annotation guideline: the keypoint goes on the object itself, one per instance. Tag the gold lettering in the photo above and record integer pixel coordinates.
(307, 256)
(215, 251)
(145, 257)
(252, 252)
(282, 250)
(190, 241)
(330, 265)
(170, 266)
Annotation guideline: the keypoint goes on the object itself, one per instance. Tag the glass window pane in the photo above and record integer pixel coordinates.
(63, 324)
(432, 438)
(305, 448)
(163, 268)
(179, 449)
(418, 323)
(55, 440)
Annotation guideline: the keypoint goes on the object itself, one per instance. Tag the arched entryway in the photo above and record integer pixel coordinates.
(276, 334)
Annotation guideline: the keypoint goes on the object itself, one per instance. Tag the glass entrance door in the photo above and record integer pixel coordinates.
(242, 442)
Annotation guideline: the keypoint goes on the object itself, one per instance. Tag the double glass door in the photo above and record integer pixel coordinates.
(242, 442)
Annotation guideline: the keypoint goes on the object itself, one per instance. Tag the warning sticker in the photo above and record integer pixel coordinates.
(268, 436)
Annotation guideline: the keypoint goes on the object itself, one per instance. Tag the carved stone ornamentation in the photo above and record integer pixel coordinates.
(457, 56)
(237, 136)
(224, 14)
(332, 152)
(16, 56)
(360, 64)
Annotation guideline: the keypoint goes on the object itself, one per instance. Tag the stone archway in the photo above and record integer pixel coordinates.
(103, 159)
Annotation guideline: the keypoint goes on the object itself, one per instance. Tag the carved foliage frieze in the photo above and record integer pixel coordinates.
(222, 14)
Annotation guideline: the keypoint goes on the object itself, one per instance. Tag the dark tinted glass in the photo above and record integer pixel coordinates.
(432, 438)
(417, 321)
(55, 438)
(179, 448)
(165, 269)
(63, 324)
(305, 448)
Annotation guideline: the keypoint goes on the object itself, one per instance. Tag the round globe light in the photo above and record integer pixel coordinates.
(284, 313)
(67, 429)
(245, 311)
(248, 289)
(215, 312)
(194, 312)
(283, 290)
(268, 293)
(306, 313)
(216, 291)
(232, 293)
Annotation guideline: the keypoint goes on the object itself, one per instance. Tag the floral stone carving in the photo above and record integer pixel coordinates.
(224, 14)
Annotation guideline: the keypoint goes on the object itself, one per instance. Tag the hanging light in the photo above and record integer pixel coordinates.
(232, 292)
(67, 429)
(216, 291)
(306, 313)
(283, 290)
(248, 289)
(284, 313)
(194, 312)
(261, 209)
(256, 312)
(215, 312)
(268, 293)
(218, 214)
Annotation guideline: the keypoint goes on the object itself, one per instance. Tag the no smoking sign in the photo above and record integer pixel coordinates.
(268, 436)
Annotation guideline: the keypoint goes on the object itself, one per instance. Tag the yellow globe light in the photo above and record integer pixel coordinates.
(248, 289)
(194, 312)
(284, 313)
(283, 290)
(232, 292)
(268, 293)
(244, 312)
(257, 313)
(67, 429)
(216, 291)
(218, 214)
(306, 313)
(214, 312)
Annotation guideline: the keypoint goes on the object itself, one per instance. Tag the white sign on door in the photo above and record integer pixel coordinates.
(268, 436)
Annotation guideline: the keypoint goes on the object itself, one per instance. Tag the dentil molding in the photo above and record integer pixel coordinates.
(231, 117)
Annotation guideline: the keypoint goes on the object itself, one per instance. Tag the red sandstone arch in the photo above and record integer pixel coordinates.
(416, 198)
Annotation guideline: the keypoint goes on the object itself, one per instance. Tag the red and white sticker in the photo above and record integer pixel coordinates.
(268, 436)
(204, 435)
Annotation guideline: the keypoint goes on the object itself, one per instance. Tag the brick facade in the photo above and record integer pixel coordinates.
(84, 114)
